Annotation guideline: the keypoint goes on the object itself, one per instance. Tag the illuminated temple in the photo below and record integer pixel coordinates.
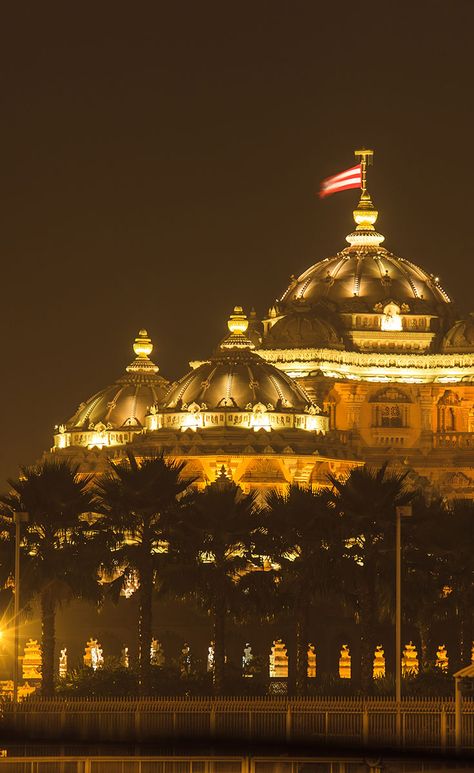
(364, 358)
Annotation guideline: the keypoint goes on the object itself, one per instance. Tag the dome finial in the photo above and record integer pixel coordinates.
(142, 347)
(365, 216)
(237, 324)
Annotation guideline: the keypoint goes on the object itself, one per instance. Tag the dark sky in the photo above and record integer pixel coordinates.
(159, 165)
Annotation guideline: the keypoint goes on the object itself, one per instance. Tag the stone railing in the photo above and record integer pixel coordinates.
(453, 440)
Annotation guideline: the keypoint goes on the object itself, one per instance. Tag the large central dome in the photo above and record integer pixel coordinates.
(356, 278)
(366, 274)
(363, 298)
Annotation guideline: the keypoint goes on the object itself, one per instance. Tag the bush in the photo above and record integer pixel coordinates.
(109, 680)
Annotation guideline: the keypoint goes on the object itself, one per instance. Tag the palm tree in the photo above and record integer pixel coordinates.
(55, 543)
(426, 574)
(212, 547)
(458, 552)
(136, 502)
(367, 499)
(305, 539)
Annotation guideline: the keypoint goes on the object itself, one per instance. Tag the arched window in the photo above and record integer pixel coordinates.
(448, 412)
(391, 416)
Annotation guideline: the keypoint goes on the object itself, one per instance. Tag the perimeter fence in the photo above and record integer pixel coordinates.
(354, 722)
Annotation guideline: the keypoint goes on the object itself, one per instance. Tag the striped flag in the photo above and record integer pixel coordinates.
(351, 178)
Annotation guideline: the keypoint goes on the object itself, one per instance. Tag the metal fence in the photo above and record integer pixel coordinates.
(216, 764)
(425, 724)
(118, 764)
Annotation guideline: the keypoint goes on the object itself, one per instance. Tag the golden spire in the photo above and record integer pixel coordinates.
(142, 347)
(365, 216)
(238, 325)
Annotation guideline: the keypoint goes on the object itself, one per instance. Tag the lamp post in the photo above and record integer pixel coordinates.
(18, 517)
(401, 512)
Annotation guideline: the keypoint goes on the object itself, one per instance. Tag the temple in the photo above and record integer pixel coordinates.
(364, 358)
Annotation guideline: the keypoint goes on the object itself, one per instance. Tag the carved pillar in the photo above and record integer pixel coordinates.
(428, 408)
(356, 398)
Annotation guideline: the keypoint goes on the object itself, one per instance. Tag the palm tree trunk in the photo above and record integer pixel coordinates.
(423, 632)
(145, 628)
(465, 639)
(48, 641)
(219, 647)
(302, 650)
(367, 624)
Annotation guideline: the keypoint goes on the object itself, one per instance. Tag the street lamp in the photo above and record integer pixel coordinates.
(18, 518)
(401, 512)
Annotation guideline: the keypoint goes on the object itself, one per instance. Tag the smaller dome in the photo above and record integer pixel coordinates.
(460, 337)
(236, 388)
(124, 403)
(236, 378)
(302, 330)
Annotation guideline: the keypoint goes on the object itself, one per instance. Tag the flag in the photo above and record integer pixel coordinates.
(351, 178)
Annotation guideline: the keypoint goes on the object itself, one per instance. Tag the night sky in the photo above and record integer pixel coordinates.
(159, 163)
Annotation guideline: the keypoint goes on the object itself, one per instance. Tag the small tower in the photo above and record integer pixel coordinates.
(410, 664)
(442, 660)
(32, 660)
(93, 655)
(279, 660)
(210, 658)
(185, 661)
(157, 656)
(379, 662)
(63, 663)
(311, 661)
(247, 659)
(124, 658)
(345, 662)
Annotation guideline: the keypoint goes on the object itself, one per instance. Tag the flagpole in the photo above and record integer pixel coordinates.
(366, 159)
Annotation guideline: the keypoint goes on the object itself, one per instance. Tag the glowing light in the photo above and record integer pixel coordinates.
(153, 422)
(392, 320)
(260, 418)
(99, 440)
